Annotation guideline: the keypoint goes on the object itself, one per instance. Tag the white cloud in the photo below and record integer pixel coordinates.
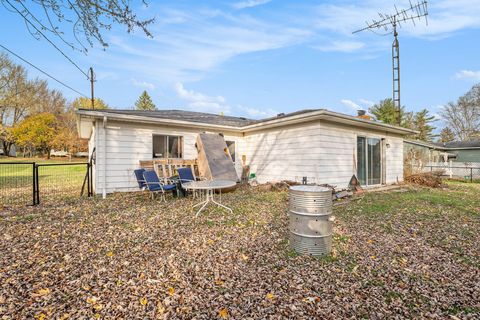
(256, 113)
(186, 52)
(350, 104)
(249, 3)
(445, 16)
(200, 102)
(143, 84)
(197, 101)
(341, 46)
(367, 102)
(468, 75)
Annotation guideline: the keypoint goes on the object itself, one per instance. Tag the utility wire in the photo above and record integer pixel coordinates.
(41, 33)
(44, 72)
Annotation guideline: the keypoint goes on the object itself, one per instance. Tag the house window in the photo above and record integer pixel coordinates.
(231, 149)
(167, 146)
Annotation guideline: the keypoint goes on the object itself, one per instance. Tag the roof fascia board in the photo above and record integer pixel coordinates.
(326, 115)
(309, 116)
(463, 148)
(141, 119)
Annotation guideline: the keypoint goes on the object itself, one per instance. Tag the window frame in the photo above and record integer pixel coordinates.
(167, 137)
(366, 155)
(234, 149)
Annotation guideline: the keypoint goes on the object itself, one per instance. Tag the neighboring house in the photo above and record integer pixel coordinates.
(463, 151)
(324, 146)
(458, 151)
(13, 151)
(58, 153)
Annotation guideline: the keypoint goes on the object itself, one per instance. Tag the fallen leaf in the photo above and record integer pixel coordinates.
(40, 316)
(91, 300)
(109, 254)
(270, 296)
(171, 291)
(43, 292)
(223, 313)
(143, 301)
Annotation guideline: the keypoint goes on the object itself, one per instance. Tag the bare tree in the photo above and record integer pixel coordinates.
(463, 116)
(86, 18)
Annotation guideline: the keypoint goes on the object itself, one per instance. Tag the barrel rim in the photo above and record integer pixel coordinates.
(310, 214)
(308, 188)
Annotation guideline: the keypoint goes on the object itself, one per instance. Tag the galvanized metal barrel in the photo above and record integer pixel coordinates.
(310, 219)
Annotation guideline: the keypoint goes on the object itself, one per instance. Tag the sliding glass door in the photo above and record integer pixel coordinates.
(369, 161)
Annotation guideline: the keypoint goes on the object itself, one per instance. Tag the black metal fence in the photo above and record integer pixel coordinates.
(17, 183)
(461, 172)
(30, 183)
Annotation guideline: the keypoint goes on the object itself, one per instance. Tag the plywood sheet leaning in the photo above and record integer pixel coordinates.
(214, 160)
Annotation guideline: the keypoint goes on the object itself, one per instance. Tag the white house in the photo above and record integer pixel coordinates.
(324, 146)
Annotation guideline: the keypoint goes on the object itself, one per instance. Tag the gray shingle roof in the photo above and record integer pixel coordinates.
(200, 117)
(183, 115)
(460, 144)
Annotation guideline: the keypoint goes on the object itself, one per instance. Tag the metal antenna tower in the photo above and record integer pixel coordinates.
(389, 23)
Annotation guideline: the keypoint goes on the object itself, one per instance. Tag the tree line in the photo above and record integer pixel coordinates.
(37, 119)
(461, 118)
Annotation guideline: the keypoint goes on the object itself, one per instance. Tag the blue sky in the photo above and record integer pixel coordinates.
(256, 58)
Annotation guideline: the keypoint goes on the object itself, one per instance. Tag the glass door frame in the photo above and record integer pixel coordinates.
(366, 157)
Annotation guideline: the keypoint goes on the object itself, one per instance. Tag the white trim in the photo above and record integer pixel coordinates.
(281, 121)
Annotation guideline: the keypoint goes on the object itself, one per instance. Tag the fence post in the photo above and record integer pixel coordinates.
(471, 174)
(34, 185)
(38, 184)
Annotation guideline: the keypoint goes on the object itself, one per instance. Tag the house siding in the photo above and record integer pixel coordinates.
(321, 151)
(467, 155)
(126, 144)
(325, 152)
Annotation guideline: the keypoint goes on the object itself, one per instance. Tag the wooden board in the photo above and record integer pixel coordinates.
(166, 168)
(214, 160)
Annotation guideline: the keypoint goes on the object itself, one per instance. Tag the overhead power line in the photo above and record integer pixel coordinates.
(46, 38)
(44, 72)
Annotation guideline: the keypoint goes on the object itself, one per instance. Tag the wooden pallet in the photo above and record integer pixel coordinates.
(166, 168)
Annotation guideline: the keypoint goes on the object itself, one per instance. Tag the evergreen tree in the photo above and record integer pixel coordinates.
(145, 102)
(422, 123)
(386, 112)
(447, 135)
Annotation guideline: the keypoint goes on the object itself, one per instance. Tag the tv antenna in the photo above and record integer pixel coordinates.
(389, 23)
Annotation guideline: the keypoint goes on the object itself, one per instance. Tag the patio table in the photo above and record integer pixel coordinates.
(209, 186)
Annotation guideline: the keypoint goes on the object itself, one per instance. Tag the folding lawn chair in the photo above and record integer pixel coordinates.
(186, 175)
(155, 186)
(140, 179)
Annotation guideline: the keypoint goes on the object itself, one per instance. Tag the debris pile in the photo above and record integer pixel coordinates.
(428, 179)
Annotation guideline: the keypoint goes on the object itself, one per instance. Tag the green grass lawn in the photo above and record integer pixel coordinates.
(411, 253)
(16, 180)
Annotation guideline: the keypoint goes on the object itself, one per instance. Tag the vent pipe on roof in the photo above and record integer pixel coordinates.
(280, 114)
(361, 112)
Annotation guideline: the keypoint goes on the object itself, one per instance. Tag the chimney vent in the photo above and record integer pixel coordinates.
(361, 112)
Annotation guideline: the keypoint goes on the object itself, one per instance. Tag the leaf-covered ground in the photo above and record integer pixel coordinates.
(412, 254)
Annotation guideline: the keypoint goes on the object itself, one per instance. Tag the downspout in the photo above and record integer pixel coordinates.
(104, 192)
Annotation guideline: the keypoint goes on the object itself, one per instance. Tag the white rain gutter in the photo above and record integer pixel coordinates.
(104, 192)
